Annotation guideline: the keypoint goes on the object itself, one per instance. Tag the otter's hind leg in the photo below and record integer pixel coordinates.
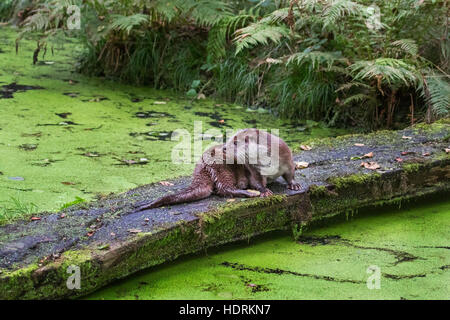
(258, 181)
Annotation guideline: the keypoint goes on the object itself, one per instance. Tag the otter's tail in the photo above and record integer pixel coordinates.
(189, 194)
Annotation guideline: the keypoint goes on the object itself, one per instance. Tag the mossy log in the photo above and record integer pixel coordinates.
(107, 240)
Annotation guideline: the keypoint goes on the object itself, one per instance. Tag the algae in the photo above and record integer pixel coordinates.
(410, 246)
(80, 137)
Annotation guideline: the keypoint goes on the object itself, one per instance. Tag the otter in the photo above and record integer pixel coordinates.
(211, 175)
(264, 155)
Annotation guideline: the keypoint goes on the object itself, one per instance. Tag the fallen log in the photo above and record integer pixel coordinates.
(107, 240)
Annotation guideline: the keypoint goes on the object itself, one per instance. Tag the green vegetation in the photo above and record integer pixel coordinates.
(79, 136)
(344, 62)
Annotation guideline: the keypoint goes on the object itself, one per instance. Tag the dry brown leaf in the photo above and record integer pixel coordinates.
(35, 218)
(426, 154)
(406, 137)
(305, 147)
(447, 150)
(399, 159)
(359, 144)
(371, 165)
(67, 183)
(367, 155)
(166, 183)
(231, 200)
(301, 165)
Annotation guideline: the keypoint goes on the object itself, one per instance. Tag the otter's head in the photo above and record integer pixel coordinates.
(214, 155)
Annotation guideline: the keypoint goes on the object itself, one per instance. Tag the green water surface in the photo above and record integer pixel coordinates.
(409, 247)
(75, 136)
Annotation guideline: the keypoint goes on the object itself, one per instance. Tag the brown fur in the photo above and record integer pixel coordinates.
(211, 175)
(255, 142)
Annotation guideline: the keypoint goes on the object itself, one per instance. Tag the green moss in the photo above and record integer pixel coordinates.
(354, 179)
(411, 167)
(342, 251)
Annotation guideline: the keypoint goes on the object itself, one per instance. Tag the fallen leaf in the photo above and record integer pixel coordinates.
(231, 200)
(359, 144)
(426, 154)
(67, 183)
(221, 121)
(355, 158)
(147, 219)
(134, 230)
(166, 183)
(35, 218)
(90, 233)
(406, 137)
(404, 153)
(252, 285)
(103, 246)
(371, 165)
(447, 150)
(399, 159)
(254, 191)
(305, 147)
(368, 155)
(62, 216)
(201, 96)
(301, 165)
(159, 102)
(112, 234)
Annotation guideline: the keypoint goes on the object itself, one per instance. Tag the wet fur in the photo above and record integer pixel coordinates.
(250, 141)
(211, 175)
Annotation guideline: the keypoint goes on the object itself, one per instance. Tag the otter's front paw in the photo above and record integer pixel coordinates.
(294, 186)
(266, 193)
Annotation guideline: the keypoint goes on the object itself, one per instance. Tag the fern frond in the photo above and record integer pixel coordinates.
(259, 33)
(436, 91)
(127, 23)
(409, 46)
(392, 71)
(340, 8)
(316, 58)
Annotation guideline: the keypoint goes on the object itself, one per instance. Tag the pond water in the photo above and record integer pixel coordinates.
(409, 247)
(64, 135)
